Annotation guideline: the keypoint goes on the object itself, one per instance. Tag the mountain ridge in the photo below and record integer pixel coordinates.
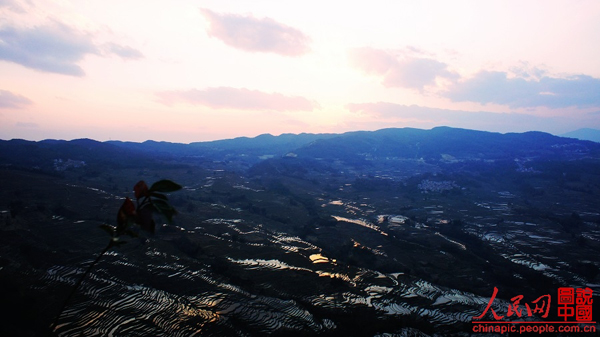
(584, 134)
(417, 143)
(411, 143)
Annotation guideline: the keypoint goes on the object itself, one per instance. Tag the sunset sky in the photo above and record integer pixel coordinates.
(186, 71)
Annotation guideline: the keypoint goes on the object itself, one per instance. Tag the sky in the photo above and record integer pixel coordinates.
(187, 71)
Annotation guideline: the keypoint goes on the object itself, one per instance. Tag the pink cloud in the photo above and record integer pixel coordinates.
(11, 100)
(12, 5)
(408, 72)
(125, 52)
(239, 99)
(256, 35)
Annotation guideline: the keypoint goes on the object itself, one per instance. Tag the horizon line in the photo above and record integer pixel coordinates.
(296, 134)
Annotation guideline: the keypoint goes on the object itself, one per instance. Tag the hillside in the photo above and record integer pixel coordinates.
(440, 143)
(458, 143)
(395, 231)
(584, 134)
(45, 155)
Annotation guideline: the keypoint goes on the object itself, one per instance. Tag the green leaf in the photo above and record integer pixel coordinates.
(164, 208)
(161, 204)
(165, 186)
(158, 195)
(108, 228)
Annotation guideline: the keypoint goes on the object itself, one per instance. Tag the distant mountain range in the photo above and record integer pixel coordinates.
(584, 134)
(42, 155)
(439, 141)
(264, 144)
(435, 144)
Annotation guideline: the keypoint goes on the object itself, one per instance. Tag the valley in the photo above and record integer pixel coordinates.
(398, 232)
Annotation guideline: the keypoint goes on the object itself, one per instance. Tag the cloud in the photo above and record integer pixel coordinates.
(256, 35)
(417, 73)
(26, 125)
(424, 117)
(54, 48)
(239, 99)
(124, 52)
(12, 5)
(525, 86)
(527, 71)
(414, 72)
(534, 91)
(10, 100)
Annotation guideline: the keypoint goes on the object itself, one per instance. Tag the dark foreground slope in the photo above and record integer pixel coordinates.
(397, 232)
